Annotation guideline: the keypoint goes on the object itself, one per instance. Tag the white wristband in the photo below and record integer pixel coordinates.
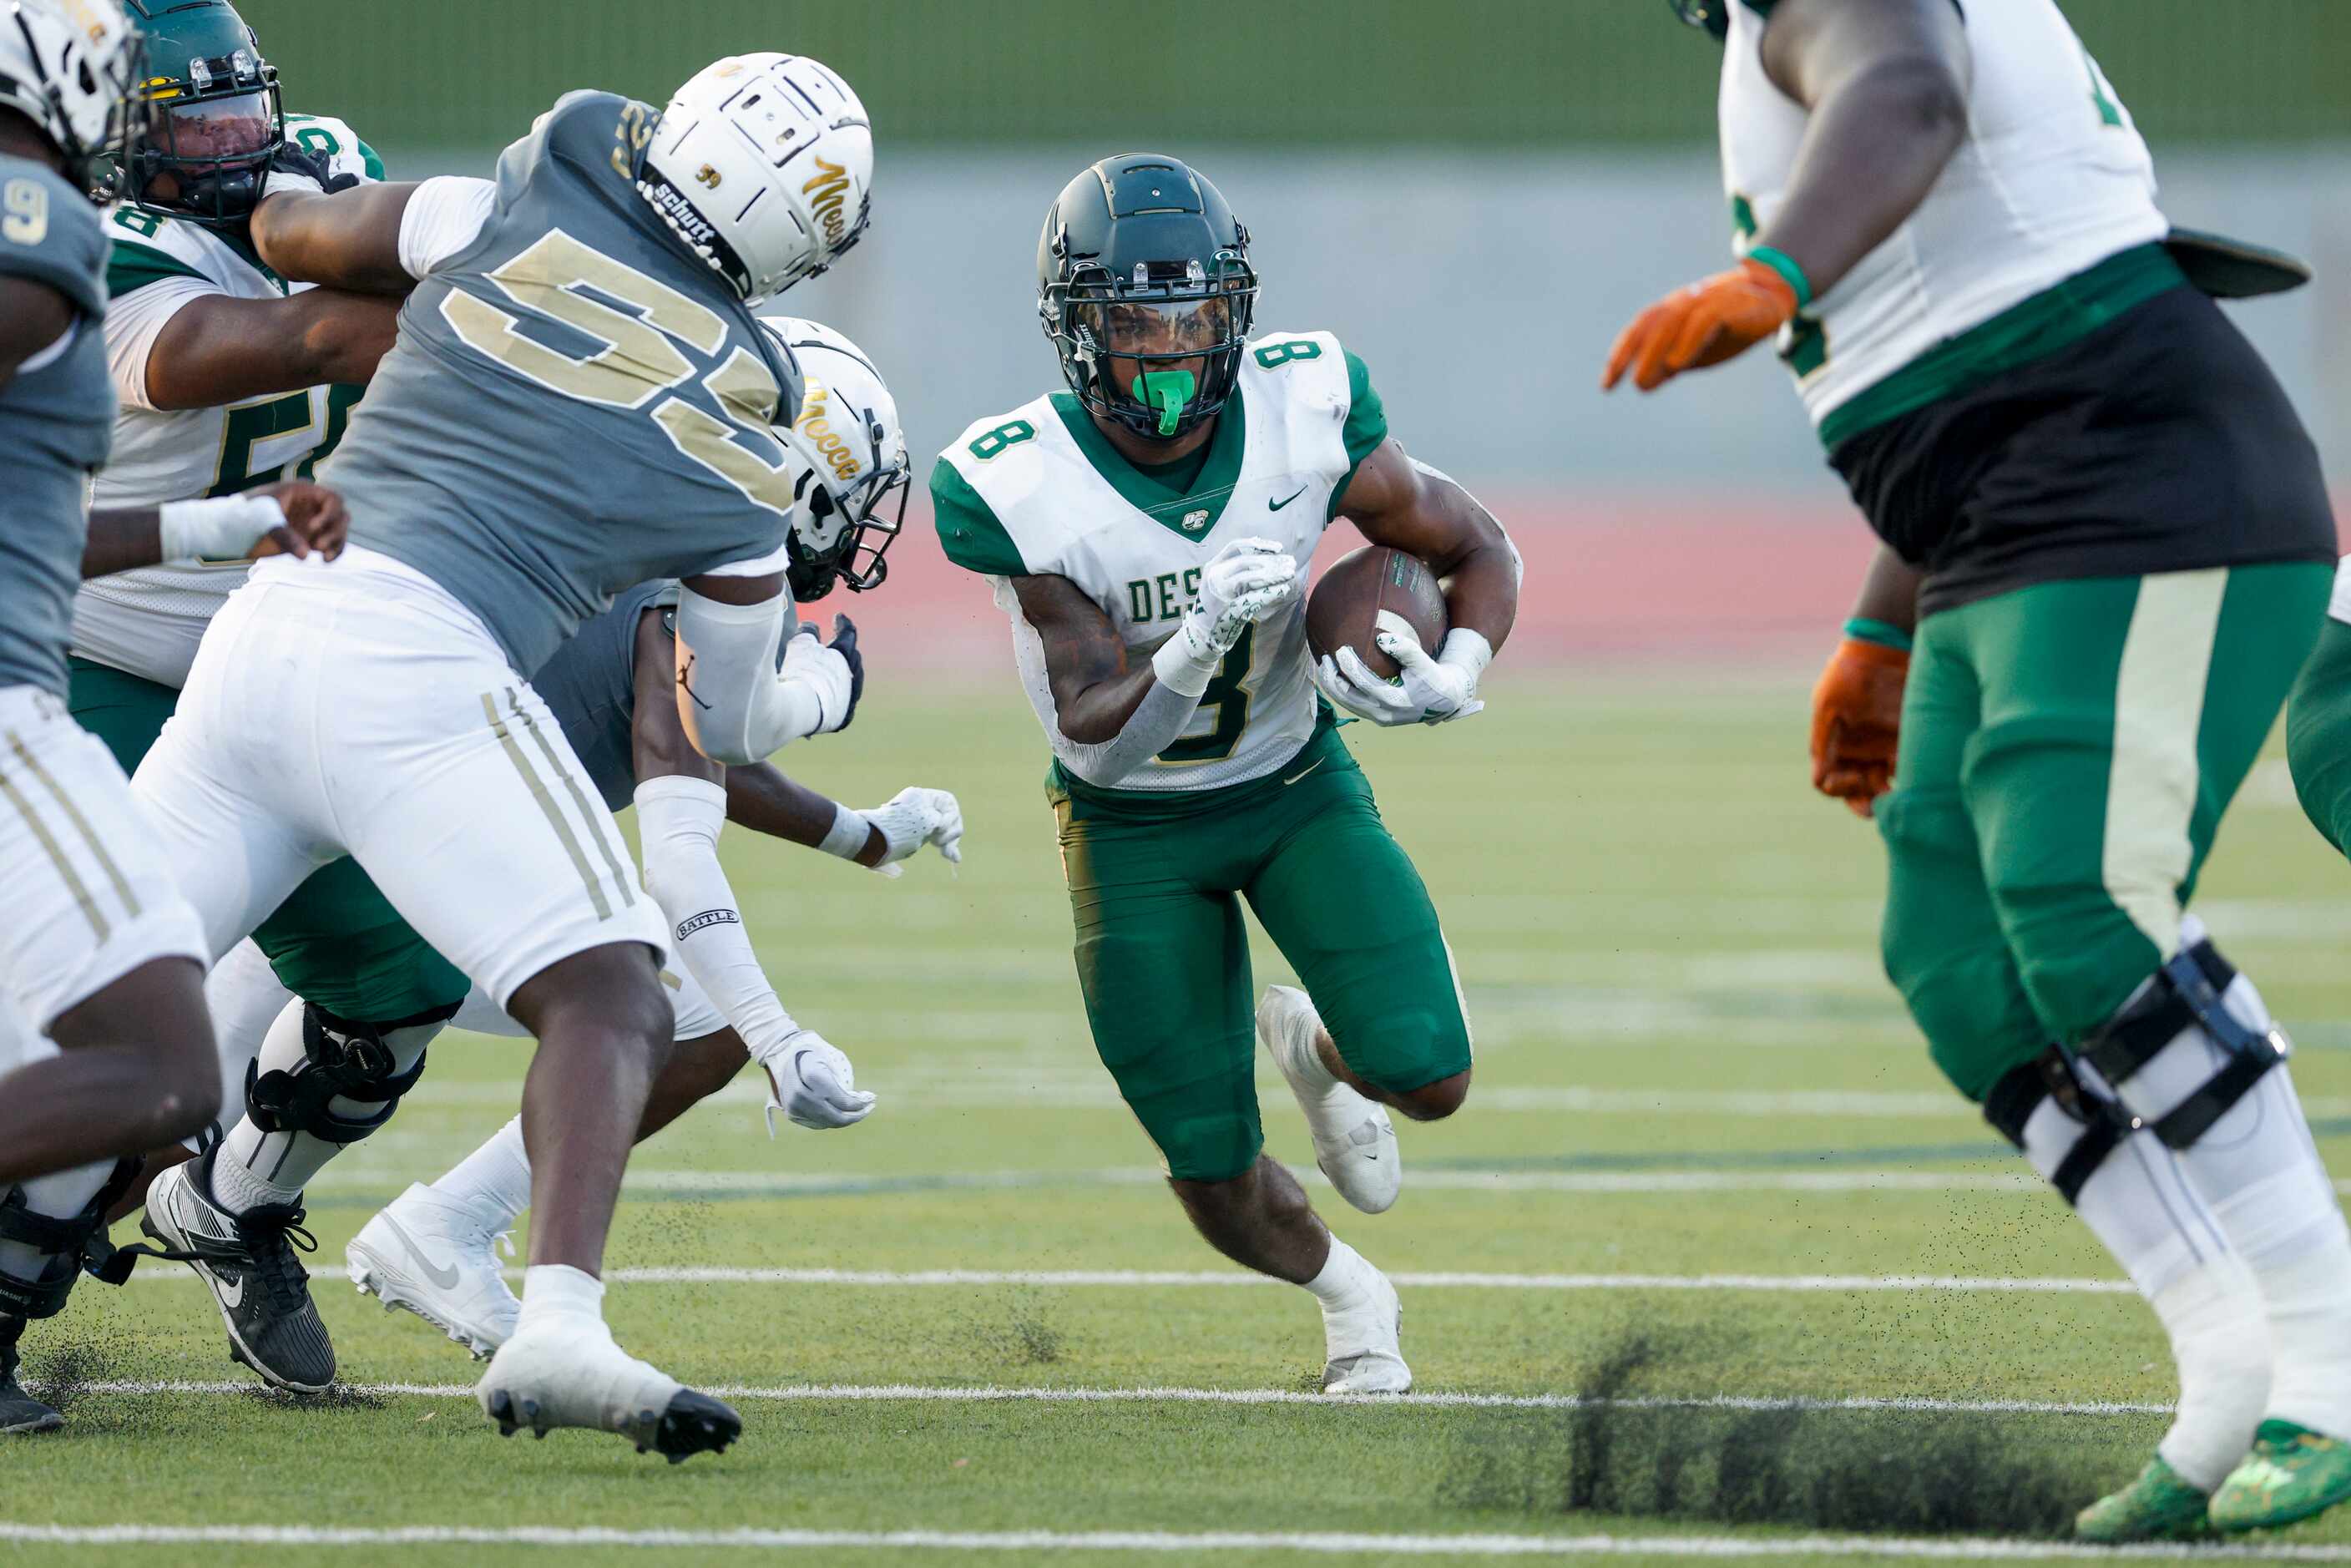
(1467, 650)
(222, 529)
(850, 835)
(1184, 663)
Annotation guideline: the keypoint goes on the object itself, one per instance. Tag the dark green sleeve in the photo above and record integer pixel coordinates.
(969, 530)
(368, 157)
(1366, 430)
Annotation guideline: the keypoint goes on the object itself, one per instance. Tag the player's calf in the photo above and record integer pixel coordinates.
(137, 1071)
(604, 1027)
(2128, 1188)
(49, 1227)
(1261, 1219)
(2194, 1056)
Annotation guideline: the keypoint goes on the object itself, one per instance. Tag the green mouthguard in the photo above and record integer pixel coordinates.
(1168, 391)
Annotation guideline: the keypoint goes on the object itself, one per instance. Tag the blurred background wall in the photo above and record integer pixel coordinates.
(1475, 194)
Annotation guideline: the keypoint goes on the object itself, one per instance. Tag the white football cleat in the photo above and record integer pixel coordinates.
(563, 1369)
(435, 1256)
(1354, 1141)
(1365, 1344)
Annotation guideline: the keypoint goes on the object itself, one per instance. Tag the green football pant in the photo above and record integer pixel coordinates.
(2067, 750)
(336, 941)
(2318, 736)
(1163, 957)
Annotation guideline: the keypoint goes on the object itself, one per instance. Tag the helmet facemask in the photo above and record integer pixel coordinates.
(1158, 349)
(840, 535)
(212, 137)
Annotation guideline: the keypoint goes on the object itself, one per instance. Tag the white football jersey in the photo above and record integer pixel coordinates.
(2051, 179)
(149, 622)
(1042, 492)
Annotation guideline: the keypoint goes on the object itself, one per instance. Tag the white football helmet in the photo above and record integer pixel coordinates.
(764, 164)
(851, 458)
(69, 67)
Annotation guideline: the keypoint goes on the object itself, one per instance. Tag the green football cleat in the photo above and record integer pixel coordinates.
(2293, 1473)
(2158, 1505)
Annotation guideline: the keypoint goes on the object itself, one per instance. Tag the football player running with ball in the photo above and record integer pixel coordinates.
(2108, 549)
(528, 451)
(1146, 531)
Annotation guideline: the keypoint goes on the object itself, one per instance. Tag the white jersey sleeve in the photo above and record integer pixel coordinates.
(134, 322)
(1042, 492)
(445, 216)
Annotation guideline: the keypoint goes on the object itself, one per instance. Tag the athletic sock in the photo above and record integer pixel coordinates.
(244, 996)
(558, 1290)
(2259, 1175)
(2139, 1203)
(495, 1179)
(1346, 1279)
(61, 1194)
(257, 1167)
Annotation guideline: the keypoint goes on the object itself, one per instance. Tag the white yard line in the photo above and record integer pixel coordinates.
(659, 1180)
(913, 1392)
(1161, 1279)
(1191, 1543)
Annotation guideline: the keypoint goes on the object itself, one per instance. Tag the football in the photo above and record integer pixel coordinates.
(1344, 608)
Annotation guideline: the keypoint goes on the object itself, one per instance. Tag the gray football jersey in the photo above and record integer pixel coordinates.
(576, 403)
(590, 685)
(56, 424)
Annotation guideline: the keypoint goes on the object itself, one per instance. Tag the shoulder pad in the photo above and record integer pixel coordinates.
(50, 234)
(346, 153)
(595, 132)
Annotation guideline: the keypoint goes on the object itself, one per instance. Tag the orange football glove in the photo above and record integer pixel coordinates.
(1856, 718)
(1706, 323)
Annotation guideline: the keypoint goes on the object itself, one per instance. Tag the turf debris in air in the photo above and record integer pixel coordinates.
(1904, 1471)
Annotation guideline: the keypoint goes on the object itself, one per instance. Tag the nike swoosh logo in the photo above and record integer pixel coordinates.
(1276, 506)
(1318, 762)
(443, 1278)
(231, 1293)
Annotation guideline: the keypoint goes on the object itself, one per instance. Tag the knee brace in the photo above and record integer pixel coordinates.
(340, 1060)
(2050, 1076)
(72, 1245)
(2185, 994)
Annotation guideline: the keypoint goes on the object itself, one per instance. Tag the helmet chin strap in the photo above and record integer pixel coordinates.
(1166, 393)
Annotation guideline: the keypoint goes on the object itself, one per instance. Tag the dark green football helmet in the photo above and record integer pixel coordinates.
(216, 116)
(1714, 16)
(1143, 272)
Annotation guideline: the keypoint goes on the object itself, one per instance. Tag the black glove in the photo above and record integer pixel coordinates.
(844, 642)
(295, 159)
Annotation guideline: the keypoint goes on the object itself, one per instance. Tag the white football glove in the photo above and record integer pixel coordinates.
(1247, 581)
(913, 818)
(1426, 690)
(834, 673)
(813, 1084)
(225, 528)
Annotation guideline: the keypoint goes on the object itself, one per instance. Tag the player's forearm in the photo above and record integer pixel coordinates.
(1872, 151)
(347, 240)
(734, 707)
(1889, 593)
(760, 798)
(123, 539)
(679, 820)
(218, 350)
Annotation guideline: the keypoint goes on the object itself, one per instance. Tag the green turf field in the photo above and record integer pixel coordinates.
(1706, 1176)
